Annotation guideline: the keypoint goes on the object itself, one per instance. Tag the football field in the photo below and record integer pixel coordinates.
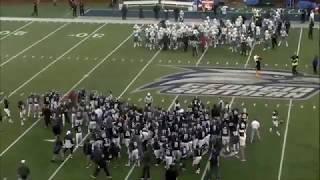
(38, 56)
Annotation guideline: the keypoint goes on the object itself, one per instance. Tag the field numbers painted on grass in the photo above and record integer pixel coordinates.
(18, 33)
(82, 35)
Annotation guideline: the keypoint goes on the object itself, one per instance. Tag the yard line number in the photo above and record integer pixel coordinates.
(82, 35)
(17, 33)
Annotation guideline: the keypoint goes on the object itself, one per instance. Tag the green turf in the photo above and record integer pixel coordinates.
(124, 67)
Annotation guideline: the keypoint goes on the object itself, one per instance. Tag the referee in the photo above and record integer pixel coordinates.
(294, 63)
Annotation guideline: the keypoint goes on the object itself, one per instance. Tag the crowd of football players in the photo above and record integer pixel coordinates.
(238, 34)
(107, 127)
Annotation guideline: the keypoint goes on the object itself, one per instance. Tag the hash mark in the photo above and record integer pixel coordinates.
(276, 65)
(95, 58)
(266, 105)
(314, 107)
(169, 61)
(141, 60)
(87, 58)
(7, 55)
(242, 104)
(185, 101)
(179, 61)
(162, 100)
(160, 60)
(129, 99)
(227, 63)
(50, 57)
(189, 62)
(208, 62)
(278, 105)
(217, 62)
(32, 56)
(208, 102)
(140, 99)
(301, 106)
(306, 66)
(24, 56)
(21, 94)
(1, 92)
(254, 104)
(42, 57)
(286, 65)
(237, 63)
(266, 64)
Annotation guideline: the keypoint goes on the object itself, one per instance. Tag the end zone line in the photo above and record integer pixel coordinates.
(37, 74)
(35, 43)
(284, 141)
(16, 30)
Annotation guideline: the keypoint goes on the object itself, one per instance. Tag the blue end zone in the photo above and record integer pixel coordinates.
(134, 13)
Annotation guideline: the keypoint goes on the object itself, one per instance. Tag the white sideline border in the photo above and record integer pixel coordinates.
(118, 20)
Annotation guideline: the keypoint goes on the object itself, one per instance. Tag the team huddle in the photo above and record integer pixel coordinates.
(110, 125)
(239, 34)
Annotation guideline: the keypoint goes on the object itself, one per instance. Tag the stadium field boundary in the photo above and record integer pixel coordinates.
(288, 119)
(36, 75)
(33, 44)
(116, 20)
(18, 29)
(122, 93)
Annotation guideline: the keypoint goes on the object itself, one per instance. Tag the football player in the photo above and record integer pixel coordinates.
(30, 104)
(148, 100)
(275, 122)
(36, 106)
(7, 110)
(284, 37)
(22, 112)
(197, 159)
(68, 144)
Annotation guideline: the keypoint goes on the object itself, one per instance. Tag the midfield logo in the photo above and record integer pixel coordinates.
(236, 82)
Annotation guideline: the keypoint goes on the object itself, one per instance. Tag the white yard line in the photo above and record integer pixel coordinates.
(284, 140)
(299, 43)
(130, 172)
(139, 73)
(201, 57)
(32, 45)
(36, 75)
(288, 120)
(249, 57)
(4, 37)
